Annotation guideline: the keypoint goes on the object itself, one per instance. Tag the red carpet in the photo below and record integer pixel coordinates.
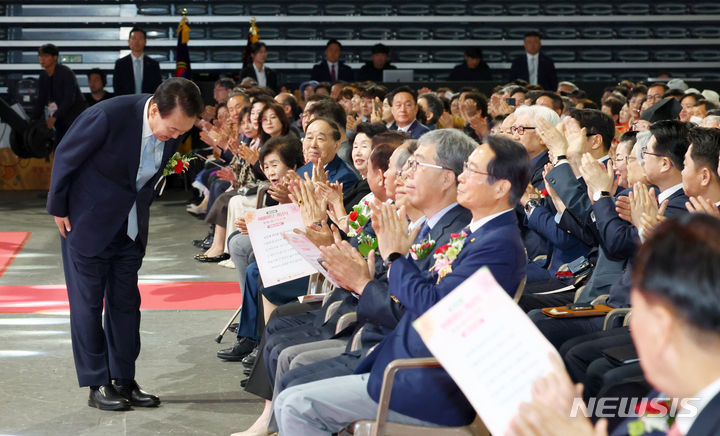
(155, 296)
(10, 245)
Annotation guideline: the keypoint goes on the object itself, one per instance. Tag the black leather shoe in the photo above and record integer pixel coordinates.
(107, 398)
(233, 327)
(204, 243)
(213, 259)
(242, 348)
(136, 396)
(244, 382)
(249, 360)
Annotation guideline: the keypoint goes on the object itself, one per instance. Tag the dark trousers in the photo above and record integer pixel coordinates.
(284, 317)
(579, 352)
(283, 339)
(559, 330)
(101, 355)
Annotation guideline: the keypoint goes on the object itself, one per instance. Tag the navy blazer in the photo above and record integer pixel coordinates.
(547, 77)
(430, 394)
(321, 72)
(565, 246)
(376, 305)
(416, 130)
(124, 75)
(338, 171)
(94, 173)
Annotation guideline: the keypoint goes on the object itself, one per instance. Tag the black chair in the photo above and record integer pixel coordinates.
(487, 33)
(560, 9)
(633, 55)
(634, 32)
(301, 33)
(633, 8)
(303, 9)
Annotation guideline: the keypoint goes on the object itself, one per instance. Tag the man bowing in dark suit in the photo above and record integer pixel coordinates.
(103, 180)
(534, 67)
(136, 73)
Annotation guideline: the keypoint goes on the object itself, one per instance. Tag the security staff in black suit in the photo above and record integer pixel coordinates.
(136, 73)
(332, 69)
(534, 67)
(257, 69)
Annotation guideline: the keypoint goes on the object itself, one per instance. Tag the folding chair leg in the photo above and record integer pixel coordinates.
(219, 337)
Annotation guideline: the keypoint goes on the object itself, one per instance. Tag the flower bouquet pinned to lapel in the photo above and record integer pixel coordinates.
(422, 249)
(359, 216)
(654, 415)
(177, 164)
(446, 254)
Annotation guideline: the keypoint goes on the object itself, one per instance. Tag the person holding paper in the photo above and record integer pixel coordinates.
(674, 325)
(377, 311)
(494, 178)
(320, 146)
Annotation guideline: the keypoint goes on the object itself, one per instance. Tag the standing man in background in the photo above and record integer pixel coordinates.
(102, 184)
(534, 67)
(136, 73)
(332, 69)
(58, 92)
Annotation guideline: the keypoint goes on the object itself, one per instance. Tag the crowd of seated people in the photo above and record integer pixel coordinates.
(555, 191)
(565, 199)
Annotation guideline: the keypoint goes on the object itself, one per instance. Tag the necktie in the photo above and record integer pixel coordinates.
(424, 231)
(137, 72)
(333, 78)
(149, 164)
(533, 71)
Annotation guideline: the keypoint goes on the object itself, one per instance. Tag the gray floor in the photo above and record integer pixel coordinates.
(38, 390)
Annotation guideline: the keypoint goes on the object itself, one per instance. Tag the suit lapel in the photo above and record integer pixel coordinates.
(136, 140)
(708, 421)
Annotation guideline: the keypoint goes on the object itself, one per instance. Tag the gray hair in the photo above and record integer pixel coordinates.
(452, 147)
(570, 84)
(641, 141)
(535, 111)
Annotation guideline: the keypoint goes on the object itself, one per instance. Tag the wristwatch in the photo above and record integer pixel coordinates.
(559, 158)
(600, 194)
(530, 206)
(391, 258)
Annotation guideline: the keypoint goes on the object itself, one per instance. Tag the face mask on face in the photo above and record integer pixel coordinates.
(696, 120)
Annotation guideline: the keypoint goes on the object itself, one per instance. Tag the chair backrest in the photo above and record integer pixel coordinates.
(331, 309)
(520, 289)
(356, 341)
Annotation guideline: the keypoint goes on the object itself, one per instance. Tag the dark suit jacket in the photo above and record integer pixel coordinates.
(376, 305)
(94, 172)
(565, 247)
(270, 75)
(321, 72)
(61, 88)
(547, 78)
(707, 422)
(369, 72)
(338, 171)
(430, 394)
(416, 130)
(462, 73)
(124, 76)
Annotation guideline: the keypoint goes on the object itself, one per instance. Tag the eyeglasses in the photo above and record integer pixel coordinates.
(520, 129)
(412, 165)
(645, 153)
(467, 168)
